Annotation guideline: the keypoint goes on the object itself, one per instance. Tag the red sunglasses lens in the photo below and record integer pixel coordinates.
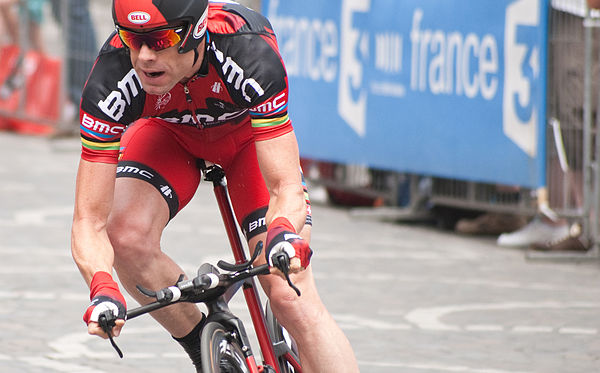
(156, 40)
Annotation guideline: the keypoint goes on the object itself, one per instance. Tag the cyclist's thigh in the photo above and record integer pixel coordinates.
(150, 152)
(247, 190)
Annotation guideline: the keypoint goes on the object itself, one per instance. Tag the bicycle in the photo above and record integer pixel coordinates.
(225, 345)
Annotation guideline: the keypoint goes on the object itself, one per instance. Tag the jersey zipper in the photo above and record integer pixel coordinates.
(188, 98)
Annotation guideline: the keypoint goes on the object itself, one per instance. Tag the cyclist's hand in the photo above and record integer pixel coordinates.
(95, 329)
(281, 236)
(106, 297)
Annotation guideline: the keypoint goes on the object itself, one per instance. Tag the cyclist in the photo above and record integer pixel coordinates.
(178, 81)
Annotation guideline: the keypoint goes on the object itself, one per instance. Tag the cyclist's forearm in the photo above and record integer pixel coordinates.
(279, 163)
(91, 249)
(289, 202)
(90, 246)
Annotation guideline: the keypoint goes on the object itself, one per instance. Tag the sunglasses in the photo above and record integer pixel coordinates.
(155, 40)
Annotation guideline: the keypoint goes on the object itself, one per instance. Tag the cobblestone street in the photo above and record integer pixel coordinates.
(410, 298)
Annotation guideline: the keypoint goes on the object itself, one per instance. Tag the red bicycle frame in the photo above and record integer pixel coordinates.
(217, 176)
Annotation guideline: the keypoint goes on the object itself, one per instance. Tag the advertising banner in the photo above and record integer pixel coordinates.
(448, 88)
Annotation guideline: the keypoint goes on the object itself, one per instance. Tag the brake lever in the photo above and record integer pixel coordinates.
(106, 320)
(282, 262)
(286, 273)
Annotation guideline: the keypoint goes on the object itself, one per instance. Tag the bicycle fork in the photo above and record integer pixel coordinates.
(219, 311)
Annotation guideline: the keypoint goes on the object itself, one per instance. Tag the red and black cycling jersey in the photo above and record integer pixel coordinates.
(241, 81)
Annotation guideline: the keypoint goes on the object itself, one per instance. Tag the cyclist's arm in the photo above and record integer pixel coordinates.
(90, 246)
(280, 165)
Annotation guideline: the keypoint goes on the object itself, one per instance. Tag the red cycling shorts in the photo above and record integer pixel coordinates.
(166, 155)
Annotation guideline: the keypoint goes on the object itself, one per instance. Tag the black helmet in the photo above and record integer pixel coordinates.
(140, 15)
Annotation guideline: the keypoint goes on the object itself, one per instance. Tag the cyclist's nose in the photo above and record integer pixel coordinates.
(146, 53)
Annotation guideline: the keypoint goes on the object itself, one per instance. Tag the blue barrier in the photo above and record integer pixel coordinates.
(449, 88)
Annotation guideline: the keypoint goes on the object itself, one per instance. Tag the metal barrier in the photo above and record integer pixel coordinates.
(43, 71)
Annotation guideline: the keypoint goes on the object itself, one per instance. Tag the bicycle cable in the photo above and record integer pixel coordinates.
(282, 261)
(106, 320)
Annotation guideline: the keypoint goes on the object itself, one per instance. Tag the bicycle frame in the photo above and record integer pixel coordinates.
(216, 175)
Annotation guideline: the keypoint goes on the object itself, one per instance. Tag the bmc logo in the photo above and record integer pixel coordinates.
(91, 123)
(261, 222)
(138, 18)
(272, 105)
(114, 104)
(135, 171)
(235, 74)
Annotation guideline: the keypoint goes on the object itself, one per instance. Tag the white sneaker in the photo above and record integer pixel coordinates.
(534, 232)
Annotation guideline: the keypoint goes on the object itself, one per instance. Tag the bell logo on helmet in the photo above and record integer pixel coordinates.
(200, 28)
(138, 17)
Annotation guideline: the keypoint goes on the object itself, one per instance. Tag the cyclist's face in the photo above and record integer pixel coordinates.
(159, 71)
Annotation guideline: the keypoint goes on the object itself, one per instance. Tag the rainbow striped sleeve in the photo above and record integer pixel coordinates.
(270, 119)
(100, 141)
(268, 128)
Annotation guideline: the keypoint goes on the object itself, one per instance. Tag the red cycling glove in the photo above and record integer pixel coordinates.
(281, 236)
(105, 296)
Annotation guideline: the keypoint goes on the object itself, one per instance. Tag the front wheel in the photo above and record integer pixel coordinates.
(221, 353)
(283, 343)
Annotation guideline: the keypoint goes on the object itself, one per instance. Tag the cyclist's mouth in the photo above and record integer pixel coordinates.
(154, 74)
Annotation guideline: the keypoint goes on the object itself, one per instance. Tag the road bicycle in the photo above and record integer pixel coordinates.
(225, 345)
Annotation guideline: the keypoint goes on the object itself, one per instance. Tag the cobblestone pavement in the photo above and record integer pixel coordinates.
(410, 298)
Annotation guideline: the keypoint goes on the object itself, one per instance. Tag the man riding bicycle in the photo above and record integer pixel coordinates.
(179, 81)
